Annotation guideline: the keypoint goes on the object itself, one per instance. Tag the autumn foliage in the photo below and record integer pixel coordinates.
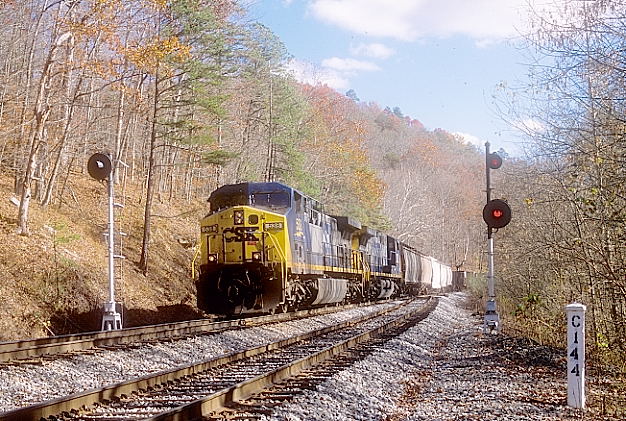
(188, 95)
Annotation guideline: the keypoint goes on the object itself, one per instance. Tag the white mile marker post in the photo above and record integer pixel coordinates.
(575, 355)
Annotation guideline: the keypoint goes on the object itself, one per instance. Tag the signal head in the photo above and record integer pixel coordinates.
(99, 166)
(497, 213)
(494, 161)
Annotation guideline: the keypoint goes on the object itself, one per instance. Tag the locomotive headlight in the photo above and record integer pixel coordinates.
(212, 258)
(238, 217)
(256, 255)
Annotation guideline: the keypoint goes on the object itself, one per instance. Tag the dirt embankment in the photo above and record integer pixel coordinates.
(56, 279)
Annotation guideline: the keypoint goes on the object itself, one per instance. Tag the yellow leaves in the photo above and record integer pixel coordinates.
(529, 201)
(106, 7)
(158, 4)
(160, 53)
(338, 143)
(101, 21)
(367, 186)
(85, 30)
(102, 69)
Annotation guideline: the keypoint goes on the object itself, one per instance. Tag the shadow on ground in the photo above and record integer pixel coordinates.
(74, 322)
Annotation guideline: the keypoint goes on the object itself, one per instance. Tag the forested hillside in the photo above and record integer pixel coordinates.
(186, 95)
(568, 240)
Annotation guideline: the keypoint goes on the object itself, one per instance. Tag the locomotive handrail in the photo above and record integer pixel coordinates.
(363, 263)
(193, 260)
(283, 261)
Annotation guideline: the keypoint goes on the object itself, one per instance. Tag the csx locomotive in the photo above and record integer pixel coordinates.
(266, 247)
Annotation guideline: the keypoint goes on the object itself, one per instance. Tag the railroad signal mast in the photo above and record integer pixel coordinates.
(100, 168)
(497, 214)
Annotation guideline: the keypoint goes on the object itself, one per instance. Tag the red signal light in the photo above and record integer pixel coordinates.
(497, 213)
(494, 161)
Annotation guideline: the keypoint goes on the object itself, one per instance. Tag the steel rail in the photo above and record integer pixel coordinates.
(53, 345)
(86, 399)
(243, 390)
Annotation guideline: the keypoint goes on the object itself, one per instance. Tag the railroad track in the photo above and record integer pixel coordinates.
(26, 351)
(209, 387)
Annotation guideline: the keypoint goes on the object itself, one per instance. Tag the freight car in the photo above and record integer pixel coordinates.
(266, 247)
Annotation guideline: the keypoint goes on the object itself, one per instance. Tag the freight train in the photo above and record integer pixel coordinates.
(266, 247)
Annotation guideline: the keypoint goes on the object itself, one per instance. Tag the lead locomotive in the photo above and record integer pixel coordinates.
(265, 247)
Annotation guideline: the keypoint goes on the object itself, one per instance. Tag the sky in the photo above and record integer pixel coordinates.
(439, 61)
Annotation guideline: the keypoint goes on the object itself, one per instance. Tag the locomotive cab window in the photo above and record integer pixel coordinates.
(280, 201)
(299, 202)
(227, 201)
(314, 217)
(313, 211)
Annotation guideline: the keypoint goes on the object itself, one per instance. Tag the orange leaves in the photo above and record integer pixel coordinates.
(153, 55)
(339, 133)
(367, 187)
(103, 70)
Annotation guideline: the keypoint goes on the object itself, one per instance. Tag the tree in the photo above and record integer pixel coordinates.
(578, 220)
(177, 69)
(338, 158)
(41, 113)
(351, 93)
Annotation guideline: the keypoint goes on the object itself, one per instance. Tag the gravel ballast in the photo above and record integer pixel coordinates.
(27, 384)
(444, 368)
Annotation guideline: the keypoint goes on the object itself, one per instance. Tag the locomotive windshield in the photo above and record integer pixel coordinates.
(277, 200)
(272, 196)
(227, 200)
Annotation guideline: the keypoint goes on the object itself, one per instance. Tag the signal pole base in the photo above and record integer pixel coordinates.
(111, 319)
(492, 319)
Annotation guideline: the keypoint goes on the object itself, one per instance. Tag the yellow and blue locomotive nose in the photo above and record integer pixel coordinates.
(232, 236)
(243, 259)
(244, 234)
(241, 238)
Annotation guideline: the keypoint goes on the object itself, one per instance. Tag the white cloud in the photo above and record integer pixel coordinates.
(372, 17)
(470, 139)
(349, 65)
(374, 50)
(307, 72)
(408, 20)
(530, 126)
(334, 72)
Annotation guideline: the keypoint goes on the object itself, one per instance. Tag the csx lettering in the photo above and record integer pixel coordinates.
(240, 234)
